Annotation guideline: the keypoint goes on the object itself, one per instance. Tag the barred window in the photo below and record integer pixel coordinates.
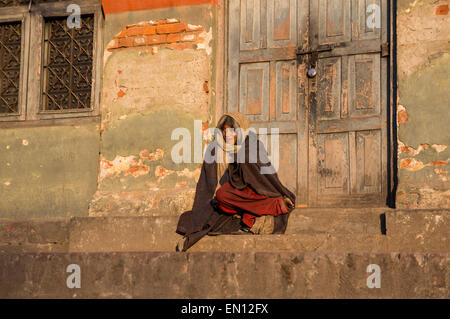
(68, 57)
(10, 53)
(49, 69)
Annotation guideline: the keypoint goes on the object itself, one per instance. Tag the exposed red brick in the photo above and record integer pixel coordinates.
(138, 41)
(189, 37)
(150, 30)
(168, 32)
(180, 46)
(191, 27)
(171, 28)
(174, 37)
(167, 21)
(107, 164)
(122, 34)
(404, 149)
(125, 42)
(156, 39)
(402, 116)
(436, 163)
(144, 153)
(405, 162)
(121, 94)
(205, 87)
(162, 172)
(442, 10)
(134, 31)
(137, 170)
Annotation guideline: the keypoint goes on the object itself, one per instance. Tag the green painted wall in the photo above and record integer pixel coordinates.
(48, 171)
(424, 104)
(146, 95)
(100, 169)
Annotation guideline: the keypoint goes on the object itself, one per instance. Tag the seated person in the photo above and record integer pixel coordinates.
(237, 178)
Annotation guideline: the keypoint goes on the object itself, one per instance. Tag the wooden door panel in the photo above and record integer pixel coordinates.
(250, 25)
(364, 90)
(282, 23)
(286, 90)
(254, 91)
(347, 112)
(368, 161)
(329, 90)
(360, 15)
(286, 157)
(263, 36)
(333, 163)
(332, 127)
(334, 20)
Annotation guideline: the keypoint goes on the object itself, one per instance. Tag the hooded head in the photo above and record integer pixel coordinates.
(240, 125)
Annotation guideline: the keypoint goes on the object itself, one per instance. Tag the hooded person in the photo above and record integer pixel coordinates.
(237, 184)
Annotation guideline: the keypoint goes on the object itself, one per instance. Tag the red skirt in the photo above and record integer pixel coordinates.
(249, 203)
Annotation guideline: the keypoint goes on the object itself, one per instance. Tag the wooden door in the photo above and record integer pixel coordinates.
(263, 36)
(347, 104)
(332, 127)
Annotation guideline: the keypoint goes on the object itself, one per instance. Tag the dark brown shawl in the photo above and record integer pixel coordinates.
(205, 217)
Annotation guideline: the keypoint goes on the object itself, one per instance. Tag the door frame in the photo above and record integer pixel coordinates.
(220, 99)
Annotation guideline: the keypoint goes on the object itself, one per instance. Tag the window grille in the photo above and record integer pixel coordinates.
(10, 53)
(68, 61)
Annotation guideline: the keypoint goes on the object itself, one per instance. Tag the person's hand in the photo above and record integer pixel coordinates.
(288, 202)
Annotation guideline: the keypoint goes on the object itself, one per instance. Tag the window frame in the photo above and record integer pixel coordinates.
(19, 14)
(32, 68)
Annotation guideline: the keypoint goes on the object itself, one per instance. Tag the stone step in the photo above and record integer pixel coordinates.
(225, 275)
(264, 243)
(337, 220)
(308, 230)
(412, 228)
(121, 232)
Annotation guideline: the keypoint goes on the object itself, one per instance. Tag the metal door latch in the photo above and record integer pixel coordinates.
(312, 71)
(385, 49)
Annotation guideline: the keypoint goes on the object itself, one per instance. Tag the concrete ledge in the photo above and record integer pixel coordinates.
(332, 230)
(50, 235)
(413, 228)
(224, 275)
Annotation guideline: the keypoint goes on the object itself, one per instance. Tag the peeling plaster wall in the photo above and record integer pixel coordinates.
(423, 104)
(158, 76)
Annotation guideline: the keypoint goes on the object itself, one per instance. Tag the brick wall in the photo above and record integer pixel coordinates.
(168, 33)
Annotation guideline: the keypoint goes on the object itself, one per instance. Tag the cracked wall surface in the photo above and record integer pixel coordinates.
(158, 76)
(423, 104)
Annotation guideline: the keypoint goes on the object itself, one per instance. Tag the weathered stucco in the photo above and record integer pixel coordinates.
(123, 165)
(48, 171)
(158, 72)
(424, 100)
